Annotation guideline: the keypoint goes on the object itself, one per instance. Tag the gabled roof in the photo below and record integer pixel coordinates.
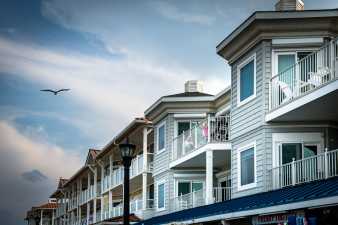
(91, 156)
(139, 121)
(49, 205)
(323, 189)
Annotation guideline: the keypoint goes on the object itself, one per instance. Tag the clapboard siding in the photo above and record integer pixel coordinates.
(249, 116)
(161, 159)
(257, 136)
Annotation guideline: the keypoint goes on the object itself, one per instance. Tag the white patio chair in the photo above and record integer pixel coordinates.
(316, 78)
(286, 91)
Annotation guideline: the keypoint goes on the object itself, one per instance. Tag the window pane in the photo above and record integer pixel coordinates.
(247, 166)
(183, 188)
(290, 151)
(160, 200)
(161, 137)
(247, 81)
(182, 126)
(284, 63)
(196, 186)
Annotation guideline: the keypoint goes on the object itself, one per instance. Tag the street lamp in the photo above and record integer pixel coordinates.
(127, 150)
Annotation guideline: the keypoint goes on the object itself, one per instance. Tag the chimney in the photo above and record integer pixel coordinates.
(193, 86)
(289, 5)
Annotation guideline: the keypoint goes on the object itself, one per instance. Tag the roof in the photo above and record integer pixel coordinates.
(57, 192)
(49, 205)
(266, 15)
(94, 152)
(189, 94)
(295, 194)
(125, 132)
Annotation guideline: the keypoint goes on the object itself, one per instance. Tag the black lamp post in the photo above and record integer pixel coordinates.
(127, 151)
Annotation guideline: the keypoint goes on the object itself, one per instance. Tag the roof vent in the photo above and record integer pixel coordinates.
(289, 5)
(193, 86)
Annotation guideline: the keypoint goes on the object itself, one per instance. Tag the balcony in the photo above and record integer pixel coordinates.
(61, 209)
(212, 133)
(136, 168)
(318, 167)
(198, 198)
(310, 85)
(87, 194)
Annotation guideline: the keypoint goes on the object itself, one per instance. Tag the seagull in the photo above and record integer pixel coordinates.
(55, 92)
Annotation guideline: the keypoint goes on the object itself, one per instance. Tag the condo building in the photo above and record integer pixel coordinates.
(262, 151)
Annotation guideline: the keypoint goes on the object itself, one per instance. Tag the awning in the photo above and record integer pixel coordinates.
(299, 196)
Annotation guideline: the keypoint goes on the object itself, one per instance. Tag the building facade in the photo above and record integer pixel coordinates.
(262, 151)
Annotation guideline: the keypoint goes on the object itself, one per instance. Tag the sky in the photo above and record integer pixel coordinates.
(117, 57)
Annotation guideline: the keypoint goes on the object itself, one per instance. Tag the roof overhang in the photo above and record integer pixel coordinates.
(263, 25)
(130, 128)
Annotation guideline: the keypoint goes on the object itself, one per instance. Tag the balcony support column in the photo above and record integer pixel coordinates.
(102, 187)
(41, 217)
(110, 203)
(88, 211)
(145, 168)
(209, 177)
(95, 194)
(110, 171)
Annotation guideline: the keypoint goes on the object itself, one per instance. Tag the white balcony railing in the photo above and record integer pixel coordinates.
(187, 201)
(321, 166)
(211, 130)
(136, 205)
(309, 73)
(117, 175)
(222, 194)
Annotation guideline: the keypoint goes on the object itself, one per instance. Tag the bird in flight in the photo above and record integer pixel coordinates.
(55, 92)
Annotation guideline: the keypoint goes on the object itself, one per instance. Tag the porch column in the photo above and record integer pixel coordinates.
(41, 216)
(102, 175)
(110, 171)
(95, 195)
(78, 201)
(209, 177)
(88, 211)
(110, 202)
(53, 216)
(145, 168)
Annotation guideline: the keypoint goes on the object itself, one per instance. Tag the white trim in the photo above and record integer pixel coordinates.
(271, 209)
(239, 67)
(163, 181)
(223, 111)
(302, 100)
(239, 150)
(190, 115)
(282, 41)
(215, 147)
(157, 136)
(303, 138)
(187, 180)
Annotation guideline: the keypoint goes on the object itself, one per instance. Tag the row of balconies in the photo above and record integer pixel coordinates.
(136, 168)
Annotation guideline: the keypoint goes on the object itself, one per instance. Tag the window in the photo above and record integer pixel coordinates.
(246, 86)
(160, 196)
(247, 167)
(297, 151)
(161, 137)
(182, 126)
(186, 187)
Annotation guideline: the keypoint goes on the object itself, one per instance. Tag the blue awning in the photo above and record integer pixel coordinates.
(303, 192)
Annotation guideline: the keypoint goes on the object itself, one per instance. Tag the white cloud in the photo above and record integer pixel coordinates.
(114, 90)
(19, 154)
(171, 12)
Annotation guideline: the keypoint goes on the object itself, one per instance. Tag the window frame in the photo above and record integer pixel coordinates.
(161, 182)
(239, 67)
(239, 181)
(162, 124)
(190, 182)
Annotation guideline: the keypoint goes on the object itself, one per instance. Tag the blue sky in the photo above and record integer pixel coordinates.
(117, 57)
